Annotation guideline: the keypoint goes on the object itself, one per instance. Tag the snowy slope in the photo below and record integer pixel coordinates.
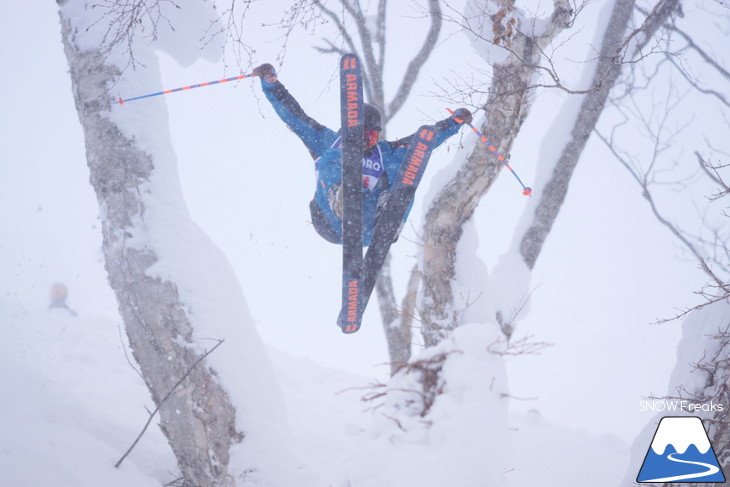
(73, 404)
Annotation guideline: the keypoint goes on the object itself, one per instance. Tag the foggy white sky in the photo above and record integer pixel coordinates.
(607, 272)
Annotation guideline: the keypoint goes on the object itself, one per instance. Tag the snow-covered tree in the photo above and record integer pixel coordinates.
(458, 295)
(687, 159)
(184, 314)
(515, 79)
(437, 399)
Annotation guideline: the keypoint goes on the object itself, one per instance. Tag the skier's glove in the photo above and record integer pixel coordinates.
(265, 72)
(462, 115)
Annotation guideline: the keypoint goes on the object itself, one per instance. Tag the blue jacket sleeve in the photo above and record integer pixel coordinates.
(315, 136)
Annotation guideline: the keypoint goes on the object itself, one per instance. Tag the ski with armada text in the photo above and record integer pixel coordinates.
(390, 220)
(352, 133)
(401, 195)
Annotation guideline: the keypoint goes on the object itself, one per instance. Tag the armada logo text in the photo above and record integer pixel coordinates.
(353, 100)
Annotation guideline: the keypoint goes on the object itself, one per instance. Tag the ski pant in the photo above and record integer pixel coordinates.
(323, 218)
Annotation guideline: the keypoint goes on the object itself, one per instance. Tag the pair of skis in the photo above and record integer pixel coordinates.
(359, 272)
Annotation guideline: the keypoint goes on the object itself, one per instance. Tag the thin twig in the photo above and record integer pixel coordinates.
(167, 396)
(124, 349)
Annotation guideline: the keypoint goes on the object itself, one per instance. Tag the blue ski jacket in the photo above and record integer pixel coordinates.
(380, 165)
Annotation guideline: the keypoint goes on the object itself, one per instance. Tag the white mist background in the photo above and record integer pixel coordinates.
(608, 270)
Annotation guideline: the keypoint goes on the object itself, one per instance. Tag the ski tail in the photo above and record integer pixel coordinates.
(351, 117)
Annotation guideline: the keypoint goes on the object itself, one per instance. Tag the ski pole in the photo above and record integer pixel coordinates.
(527, 191)
(120, 101)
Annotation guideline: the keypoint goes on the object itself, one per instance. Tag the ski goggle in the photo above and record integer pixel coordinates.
(371, 137)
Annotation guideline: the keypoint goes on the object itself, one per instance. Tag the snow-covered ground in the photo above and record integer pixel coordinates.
(73, 403)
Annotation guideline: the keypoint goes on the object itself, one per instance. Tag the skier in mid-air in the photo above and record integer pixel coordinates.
(381, 159)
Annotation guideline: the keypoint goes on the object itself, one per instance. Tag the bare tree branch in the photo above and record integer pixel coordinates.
(229, 26)
(125, 20)
(414, 67)
(642, 181)
(706, 57)
(696, 83)
(400, 327)
(507, 107)
(162, 401)
(713, 173)
(607, 73)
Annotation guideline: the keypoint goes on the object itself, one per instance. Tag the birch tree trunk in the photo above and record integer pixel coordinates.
(198, 419)
(610, 61)
(507, 107)
(197, 414)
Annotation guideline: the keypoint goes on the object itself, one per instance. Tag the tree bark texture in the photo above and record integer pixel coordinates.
(506, 108)
(198, 418)
(553, 194)
(397, 322)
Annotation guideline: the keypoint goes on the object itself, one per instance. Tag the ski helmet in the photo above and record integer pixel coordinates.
(372, 118)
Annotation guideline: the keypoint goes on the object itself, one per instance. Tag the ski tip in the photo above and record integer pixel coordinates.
(349, 61)
(426, 132)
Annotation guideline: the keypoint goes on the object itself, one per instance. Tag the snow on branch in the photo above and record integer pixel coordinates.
(125, 20)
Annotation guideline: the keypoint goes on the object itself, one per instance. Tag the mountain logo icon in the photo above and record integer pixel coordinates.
(680, 452)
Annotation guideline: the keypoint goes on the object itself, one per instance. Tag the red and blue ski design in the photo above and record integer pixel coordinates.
(401, 195)
(352, 132)
(389, 222)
